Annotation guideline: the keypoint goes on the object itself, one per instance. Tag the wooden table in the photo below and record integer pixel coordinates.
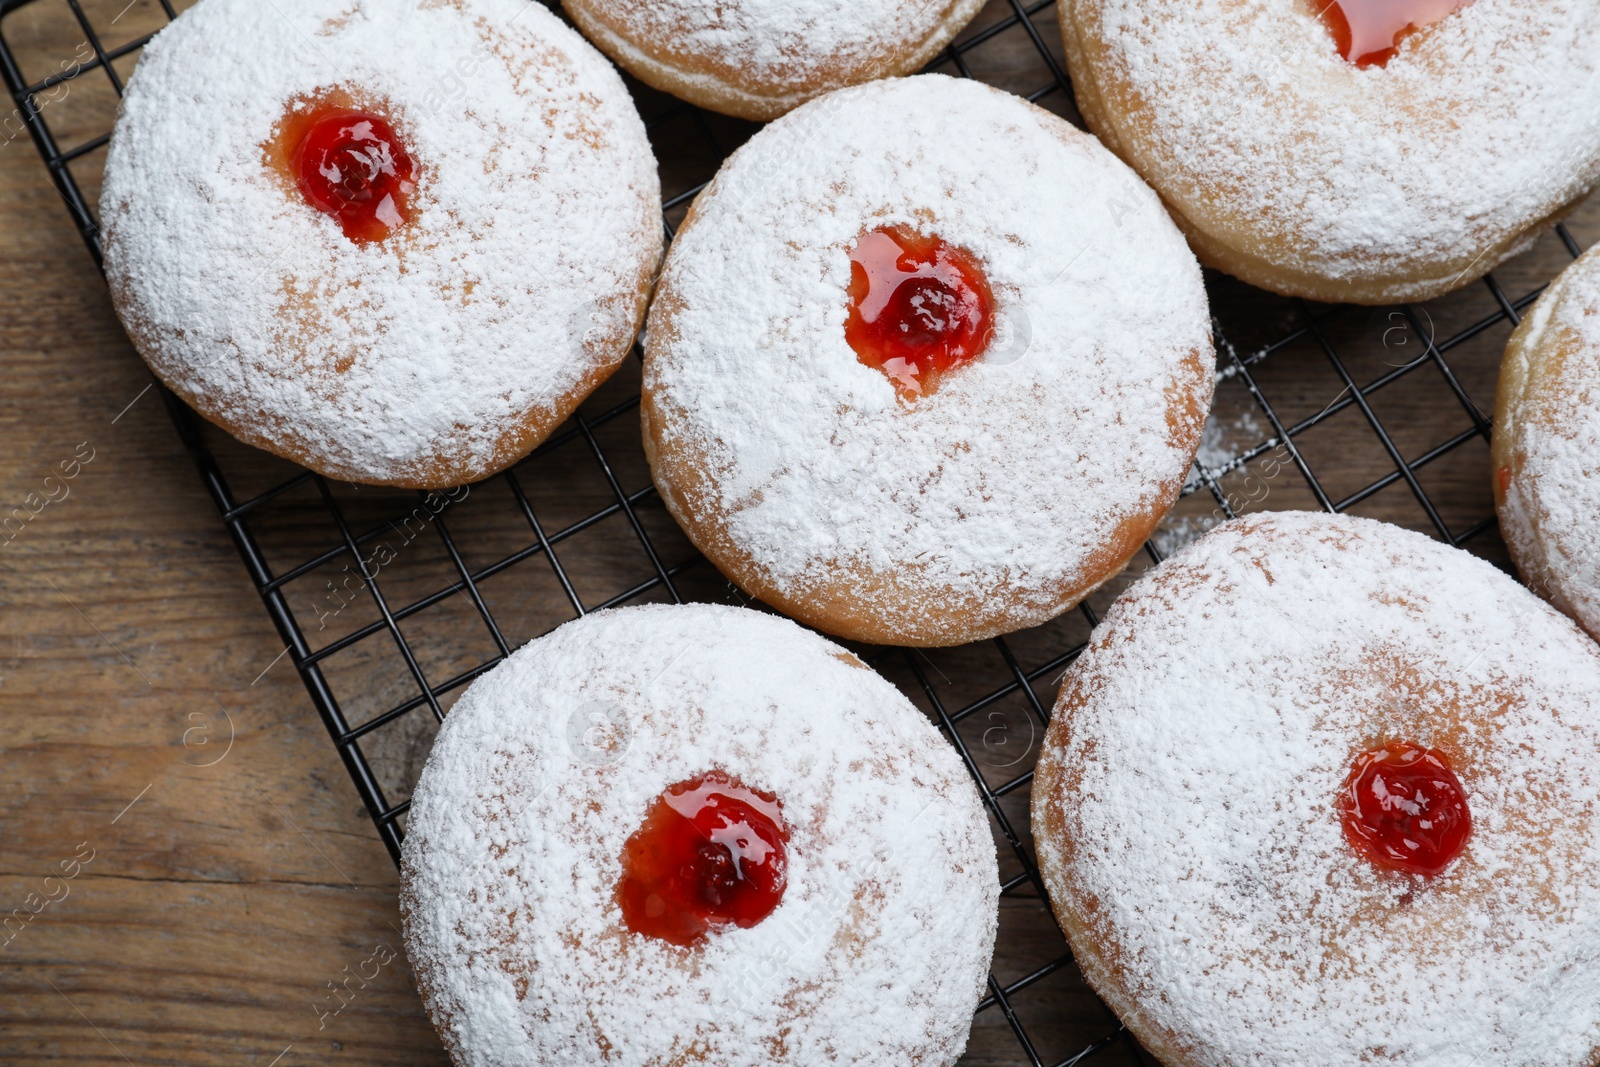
(228, 891)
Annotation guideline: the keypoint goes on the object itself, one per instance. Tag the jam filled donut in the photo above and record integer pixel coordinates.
(396, 243)
(696, 835)
(1546, 448)
(1323, 791)
(1365, 151)
(926, 364)
(758, 58)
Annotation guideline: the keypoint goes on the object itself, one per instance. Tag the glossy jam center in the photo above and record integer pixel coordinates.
(1368, 32)
(350, 164)
(1403, 808)
(711, 853)
(918, 308)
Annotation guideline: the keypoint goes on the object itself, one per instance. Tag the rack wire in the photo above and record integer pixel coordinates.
(577, 526)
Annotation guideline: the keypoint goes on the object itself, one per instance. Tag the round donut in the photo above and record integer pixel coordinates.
(1546, 447)
(509, 286)
(1031, 474)
(757, 59)
(1188, 806)
(520, 828)
(1300, 171)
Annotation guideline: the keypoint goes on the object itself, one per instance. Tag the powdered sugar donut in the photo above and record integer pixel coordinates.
(859, 928)
(1323, 791)
(1546, 447)
(758, 58)
(397, 243)
(926, 364)
(1396, 174)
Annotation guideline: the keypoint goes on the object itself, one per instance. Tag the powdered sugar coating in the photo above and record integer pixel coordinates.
(1185, 816)
(1246, 118)
(1547, 435)
(520, 280)
(1007, 483)
(787, 43)
(879, 950)
(759, 58)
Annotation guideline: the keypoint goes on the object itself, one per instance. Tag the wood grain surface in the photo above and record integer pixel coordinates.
(190, 877)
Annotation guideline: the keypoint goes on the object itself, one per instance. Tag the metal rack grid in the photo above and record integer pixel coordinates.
(997, 682)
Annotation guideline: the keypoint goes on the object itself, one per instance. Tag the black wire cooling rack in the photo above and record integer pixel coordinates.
(1369, 411)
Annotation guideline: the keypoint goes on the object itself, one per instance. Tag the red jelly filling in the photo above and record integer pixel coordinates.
(1368, 32)
(350, 164)
(1503, 476)
(918, 307)
(711, 853)
(1403, 808)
